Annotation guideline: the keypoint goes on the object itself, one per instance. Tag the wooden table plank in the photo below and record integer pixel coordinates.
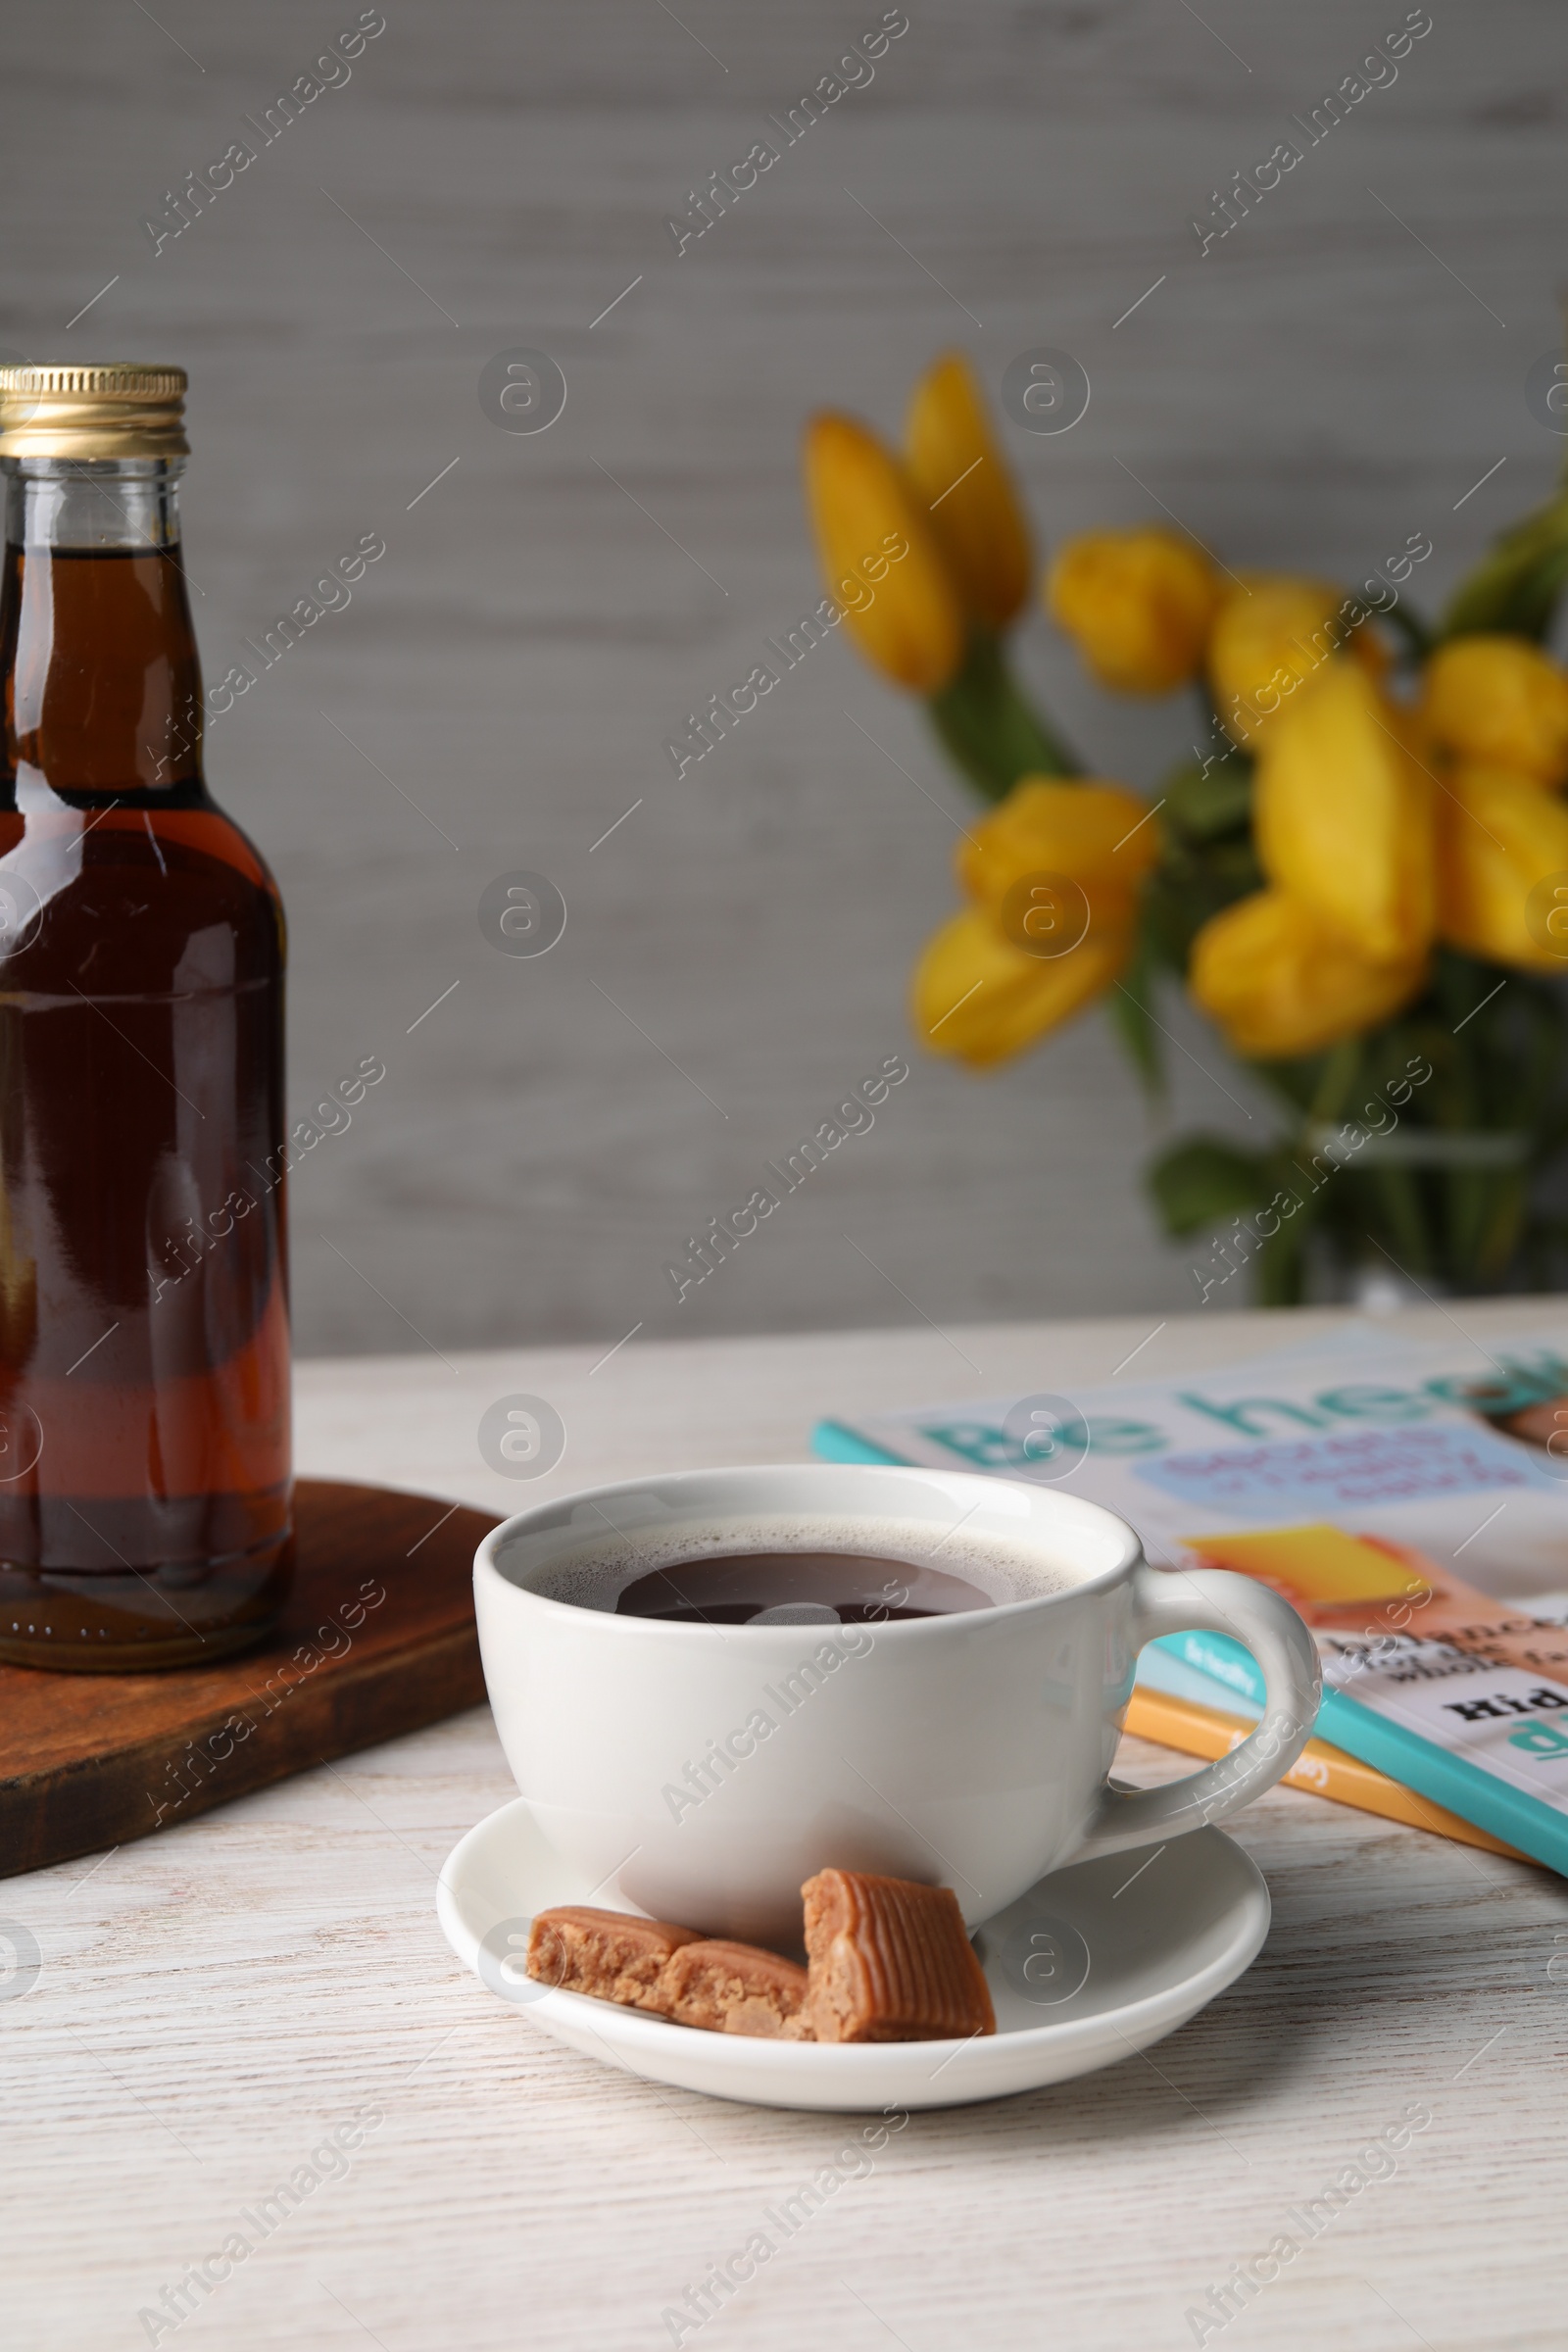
(377, 1636)
(213, 2003)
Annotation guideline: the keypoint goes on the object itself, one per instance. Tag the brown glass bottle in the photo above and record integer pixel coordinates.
(144, 1349)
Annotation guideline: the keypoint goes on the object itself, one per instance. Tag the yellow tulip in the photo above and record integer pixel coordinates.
(959, 471)
(981, 999)
(880, 557)
(1138, 605)
(1281, 983)
(1097, 835)
(1342, 814)
(1499, 835)
(1499, 701)
(1270, 635)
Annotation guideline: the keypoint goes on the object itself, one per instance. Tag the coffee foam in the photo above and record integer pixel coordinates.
(595, 1574)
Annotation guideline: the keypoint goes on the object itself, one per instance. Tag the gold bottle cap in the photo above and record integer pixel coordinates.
(120, 409)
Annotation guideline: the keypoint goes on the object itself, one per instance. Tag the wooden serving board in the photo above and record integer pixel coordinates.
(378, 1637)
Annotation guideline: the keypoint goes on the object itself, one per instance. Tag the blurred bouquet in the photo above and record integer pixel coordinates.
(1360, 875)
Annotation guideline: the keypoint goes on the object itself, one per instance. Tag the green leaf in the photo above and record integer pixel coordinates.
(1190, 885)
(1204, 805)
(1200, 1183)
(1129, 1009)
(988, 730)
(1517, 587)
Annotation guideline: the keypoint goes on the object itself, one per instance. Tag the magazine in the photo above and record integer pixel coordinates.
(1409, 1498)
(1187, 1719)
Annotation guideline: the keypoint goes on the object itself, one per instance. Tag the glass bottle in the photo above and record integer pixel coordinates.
(145, 1488)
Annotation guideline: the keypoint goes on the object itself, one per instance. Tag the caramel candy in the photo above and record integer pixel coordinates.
(607, 1953)
(736, 1988)
(890, 1961)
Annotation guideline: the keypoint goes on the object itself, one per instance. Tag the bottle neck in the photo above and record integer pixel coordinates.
(102, 686)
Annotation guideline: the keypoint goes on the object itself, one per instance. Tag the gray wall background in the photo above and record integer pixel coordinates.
(1324, 383)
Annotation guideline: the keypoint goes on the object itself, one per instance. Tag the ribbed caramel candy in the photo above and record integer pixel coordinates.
(608, 1955)
(736, 1988)
(890, 1961)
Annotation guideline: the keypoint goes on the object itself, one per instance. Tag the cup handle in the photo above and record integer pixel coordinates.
(1219, 1602)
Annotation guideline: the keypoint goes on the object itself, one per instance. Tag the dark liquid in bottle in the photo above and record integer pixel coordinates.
(144, 1355)
(796, 1587)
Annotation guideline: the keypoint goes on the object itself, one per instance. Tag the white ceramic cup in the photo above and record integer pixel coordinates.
(969, 1750)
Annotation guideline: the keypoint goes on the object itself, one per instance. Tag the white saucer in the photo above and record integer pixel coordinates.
(1092, 1963)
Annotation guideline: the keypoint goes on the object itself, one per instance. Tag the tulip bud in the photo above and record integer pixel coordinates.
(1499, 701)
(958, 469)
(1096, 835)
(1499, 835)
(872, 535)
(1281, 983)
(1270, 635)
(1138, 605)
(981, 999)
(1343, 814)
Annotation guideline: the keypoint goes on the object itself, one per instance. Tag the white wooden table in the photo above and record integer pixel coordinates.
(215, 2002)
